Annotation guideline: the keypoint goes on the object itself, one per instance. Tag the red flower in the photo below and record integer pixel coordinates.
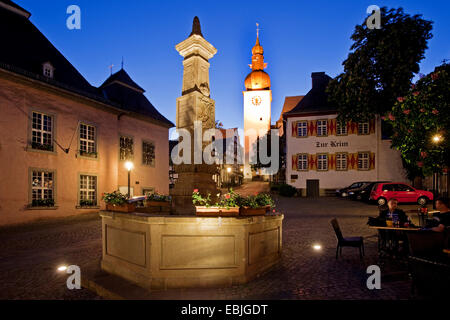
(434, 76)
(420, 164)
(391, 117)
(422, 110)
(227, 196)
(409, 130)
(383, 118)
(400, 99)
(434, 111)
(445, 170)
(273, 210)
(406, 111)
(423, 154)
(416, 93)
(195, 190)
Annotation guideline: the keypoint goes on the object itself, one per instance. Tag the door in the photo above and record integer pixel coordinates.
(312, 188)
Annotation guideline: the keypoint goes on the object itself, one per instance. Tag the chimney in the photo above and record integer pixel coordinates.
(319, 79)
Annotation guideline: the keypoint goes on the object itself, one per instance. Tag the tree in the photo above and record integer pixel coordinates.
(421, 124)
(380, 66)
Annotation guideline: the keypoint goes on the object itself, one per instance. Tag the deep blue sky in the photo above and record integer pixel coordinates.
(299, 37)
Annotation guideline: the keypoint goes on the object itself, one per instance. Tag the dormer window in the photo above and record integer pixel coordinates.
(47, 70)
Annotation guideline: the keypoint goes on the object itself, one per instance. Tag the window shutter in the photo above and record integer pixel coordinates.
(372, 126)
(294, 162)
(294, 129)
(372, 161)
(312, 124)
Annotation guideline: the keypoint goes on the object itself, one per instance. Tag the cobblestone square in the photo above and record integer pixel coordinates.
(30, 254)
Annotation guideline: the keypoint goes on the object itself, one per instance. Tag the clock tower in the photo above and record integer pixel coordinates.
(257, 106)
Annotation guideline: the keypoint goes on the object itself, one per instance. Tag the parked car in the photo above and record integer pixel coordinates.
(363, 193)
(382, 192)
(344, 191)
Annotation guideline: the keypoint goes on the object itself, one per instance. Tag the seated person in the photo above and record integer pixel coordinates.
(442, 219)
(392, 212)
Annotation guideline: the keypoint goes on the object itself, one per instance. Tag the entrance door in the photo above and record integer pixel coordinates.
(312, 188)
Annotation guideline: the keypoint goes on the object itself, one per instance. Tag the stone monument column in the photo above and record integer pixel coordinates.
(195, 104)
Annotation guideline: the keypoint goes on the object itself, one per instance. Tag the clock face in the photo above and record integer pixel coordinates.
(256, 100)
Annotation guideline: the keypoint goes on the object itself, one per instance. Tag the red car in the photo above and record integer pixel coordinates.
(382, 192)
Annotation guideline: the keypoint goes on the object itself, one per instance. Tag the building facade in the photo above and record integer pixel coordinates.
(64, 142)
(322, 154)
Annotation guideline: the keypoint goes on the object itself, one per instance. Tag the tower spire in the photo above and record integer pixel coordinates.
(257, 33)
(196, 28)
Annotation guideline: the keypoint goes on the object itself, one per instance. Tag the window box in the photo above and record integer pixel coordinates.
(88, 154)
(157, 203)
(43, 147)
(217, 211)
(88, 203)
(126, 207)
(247, 211)
(44, 203)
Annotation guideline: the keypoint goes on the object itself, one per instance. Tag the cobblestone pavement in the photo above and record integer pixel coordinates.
(29, 256)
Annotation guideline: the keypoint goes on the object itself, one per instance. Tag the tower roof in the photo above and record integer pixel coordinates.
(258, 79)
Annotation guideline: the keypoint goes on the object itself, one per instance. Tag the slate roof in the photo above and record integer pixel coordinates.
(316, 100)
(122, 90)
(25, 49)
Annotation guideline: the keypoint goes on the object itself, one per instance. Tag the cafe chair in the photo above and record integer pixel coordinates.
(355, 242)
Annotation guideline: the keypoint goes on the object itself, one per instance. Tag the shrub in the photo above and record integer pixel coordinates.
(287, 190)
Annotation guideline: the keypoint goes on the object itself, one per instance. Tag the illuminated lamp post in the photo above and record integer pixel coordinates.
(437, 138)
(129, 166)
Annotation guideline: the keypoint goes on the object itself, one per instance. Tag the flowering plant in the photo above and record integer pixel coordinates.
(155, 196)
(256, 201)
(199, 200)
(114, 198)
(228, 200)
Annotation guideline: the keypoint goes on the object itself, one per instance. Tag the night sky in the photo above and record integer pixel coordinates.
(299, 37)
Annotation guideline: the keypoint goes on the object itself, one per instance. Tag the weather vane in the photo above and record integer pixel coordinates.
(111, 68)
(257, 30)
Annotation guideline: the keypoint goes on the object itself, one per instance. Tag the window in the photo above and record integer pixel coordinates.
(341, 161)
(388, 187)
(403, 187)
(363, 161)
(363, 128)
(322, 162)
(322, 128)
(87, 141)
(148, 153)
(302, 129)
(302, 162)
(88, 190)
(42, 131)
(341, 128)
(126, 148)
(47, 70)
(42, 188)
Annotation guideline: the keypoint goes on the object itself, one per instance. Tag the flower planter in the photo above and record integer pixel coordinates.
(247, 211)
(157, 204)
(217, 212)
(126, 207)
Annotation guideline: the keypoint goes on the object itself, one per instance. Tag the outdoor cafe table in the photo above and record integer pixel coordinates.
(388, 238)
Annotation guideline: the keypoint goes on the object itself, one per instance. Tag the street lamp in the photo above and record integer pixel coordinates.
(129, 166)
(437, 138)
(228, 169)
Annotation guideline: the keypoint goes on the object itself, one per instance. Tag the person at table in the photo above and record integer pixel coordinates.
(442, 219)
(393, 212)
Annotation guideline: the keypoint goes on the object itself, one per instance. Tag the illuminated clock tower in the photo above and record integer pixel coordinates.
(257, 106)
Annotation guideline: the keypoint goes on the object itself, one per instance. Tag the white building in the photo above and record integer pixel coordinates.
(323, 155)
(257, 107)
